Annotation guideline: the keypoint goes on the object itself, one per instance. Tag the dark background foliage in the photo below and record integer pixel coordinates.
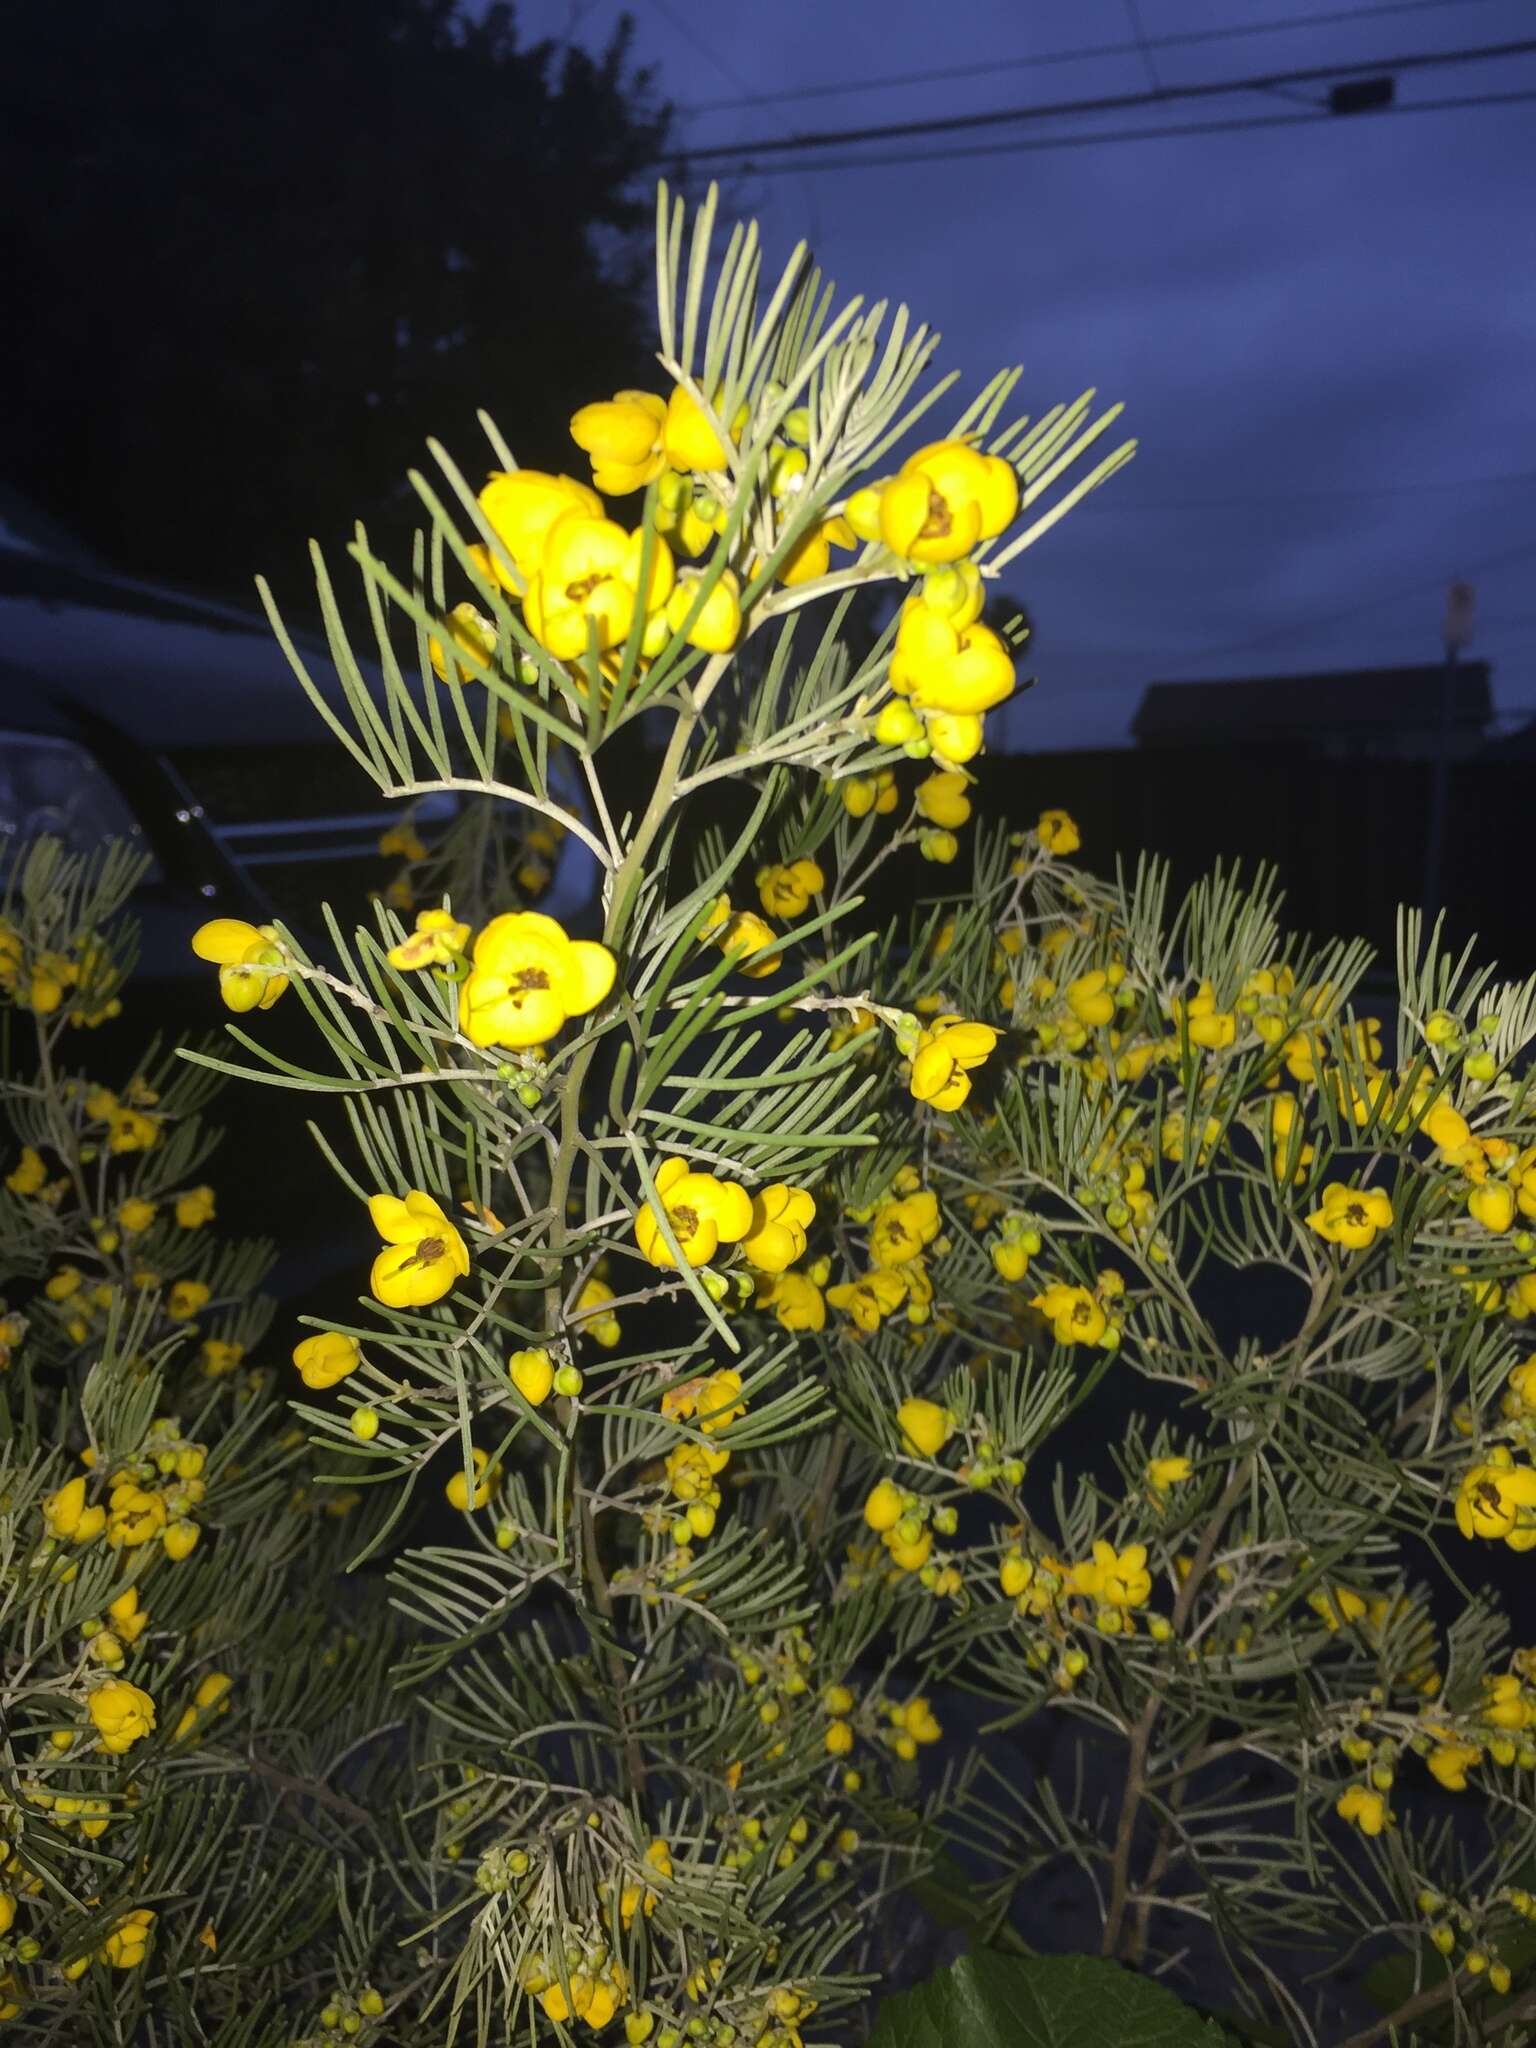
(260, 250)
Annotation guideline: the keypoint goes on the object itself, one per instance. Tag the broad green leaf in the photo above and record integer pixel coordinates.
(993, 2001)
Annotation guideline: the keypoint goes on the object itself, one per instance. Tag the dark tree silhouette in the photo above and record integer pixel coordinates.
(260, 249)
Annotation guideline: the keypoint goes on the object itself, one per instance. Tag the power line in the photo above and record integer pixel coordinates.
(1111, 502)
(1183, 39)
(1101, 103)
(1295, 629)
(1143, 46)
(1239, 124)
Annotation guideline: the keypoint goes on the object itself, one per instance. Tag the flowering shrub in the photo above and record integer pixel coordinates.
(798, 1356)
(171, 1689)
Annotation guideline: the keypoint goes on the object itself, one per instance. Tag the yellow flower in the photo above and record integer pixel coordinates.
(1447, 1127)
(1119, 1579)
(128, 1943)
(588, 582)
(966, 670)
(945, 499)
(593, 1316)
(403, 840)
(918, 1720)
(135, 1515)
(622, 438)
(193, 1209)
(1074, 1314)
(884, 1508)
(750, 941)
(457, 1490)
(794, 1299)
(532, 1372)
(1497, 1500)
(924, 1426)
(1165, 1472)
(862, 794)
(715, 1398)
(868, 1301)
(703, 1212)
(688, 438)
(953, 736)
(1492, 1205)
(944, 1059)
(812, 556)
(718, 625)
(528, 979)
(68, 1517)
(423, 1253)
(942, 798)
(1058, 832)
(781, 1216)
(186, 1298)
(135, 1215)
(785, 891)
(249, 960)
(903, 1229)
(520, 506)
(438, 939)
(123, 1714)
(326, 1357)
(1366, 1808)
(474, 636)
(1351, 1216)
(29, 1173)
(1450, 1760)
(1090, 998)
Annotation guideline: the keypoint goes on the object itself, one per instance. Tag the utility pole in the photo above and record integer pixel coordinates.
(1455, 635)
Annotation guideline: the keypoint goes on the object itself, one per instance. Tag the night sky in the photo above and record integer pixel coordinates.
(1325, 335)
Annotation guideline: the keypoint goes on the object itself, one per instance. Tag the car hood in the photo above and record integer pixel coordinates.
(168, 669)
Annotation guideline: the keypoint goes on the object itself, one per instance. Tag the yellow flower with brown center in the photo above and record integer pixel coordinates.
(423, 1253)
(904, 1228)
(249, 958)
(1351, 1217)
(785, 889)
(1497, 1502)
(438, 940)
(621, 436)
(588, 584)
(1075, 1315)
(527, 979)
(871, 1298)
(1057, 832)
(945, 498)
(703, 1214)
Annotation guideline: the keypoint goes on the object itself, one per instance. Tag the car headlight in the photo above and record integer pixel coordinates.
(55, 786)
